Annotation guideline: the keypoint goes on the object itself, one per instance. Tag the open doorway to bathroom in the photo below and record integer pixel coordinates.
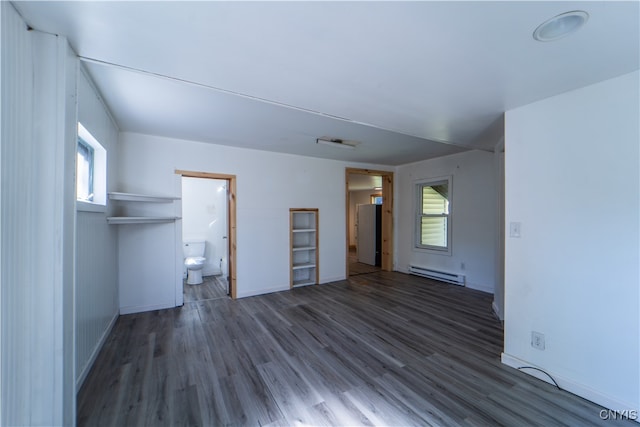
(208, 231)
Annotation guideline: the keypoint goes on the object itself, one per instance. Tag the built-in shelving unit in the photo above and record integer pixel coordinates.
(144, 198)
(304, 246)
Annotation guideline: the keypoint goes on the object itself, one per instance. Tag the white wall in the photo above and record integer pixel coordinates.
(96, 243)
(572, 181)
(148, 268)
(204, 217)
(268, 184)
(473, 211)
(498, 293)
(37, 215)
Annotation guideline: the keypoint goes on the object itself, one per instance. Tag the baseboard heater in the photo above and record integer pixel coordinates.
(453, 278)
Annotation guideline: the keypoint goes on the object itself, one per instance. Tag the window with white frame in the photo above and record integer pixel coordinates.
(433, 228)
(91, 172)
(84, 171)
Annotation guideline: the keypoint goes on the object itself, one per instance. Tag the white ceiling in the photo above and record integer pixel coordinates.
(409, 80)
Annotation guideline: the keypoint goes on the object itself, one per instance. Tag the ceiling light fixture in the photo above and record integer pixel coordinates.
(336, 142)
(560, 26)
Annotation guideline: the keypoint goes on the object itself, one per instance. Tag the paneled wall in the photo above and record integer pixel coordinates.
(96, 287)
(96, 251)
(17, 95)
(37, 155)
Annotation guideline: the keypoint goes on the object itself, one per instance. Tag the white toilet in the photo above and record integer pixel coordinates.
(194, 260)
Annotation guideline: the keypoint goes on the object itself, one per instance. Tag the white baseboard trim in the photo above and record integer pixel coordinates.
(256, 292)
(94, 354)
(570, 385)
(480, 287)
(143, 308)
(211, 271)
(331, 279)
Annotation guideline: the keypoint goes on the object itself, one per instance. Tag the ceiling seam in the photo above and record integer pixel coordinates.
(263, 100)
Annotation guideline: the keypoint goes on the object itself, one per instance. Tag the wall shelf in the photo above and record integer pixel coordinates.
(297, 283)
(303, 265)
(129, 215)
(119, 220)
(130, 197)
(303, 247)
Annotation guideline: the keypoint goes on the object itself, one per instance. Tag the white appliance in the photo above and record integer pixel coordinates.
(368, 234)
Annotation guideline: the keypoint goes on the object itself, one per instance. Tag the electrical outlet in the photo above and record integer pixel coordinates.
(537, 340)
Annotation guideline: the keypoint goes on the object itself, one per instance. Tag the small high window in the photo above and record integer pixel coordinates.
(91, 172)
(433, 229)
(84, 171)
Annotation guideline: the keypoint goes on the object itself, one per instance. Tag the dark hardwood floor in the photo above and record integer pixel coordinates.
(212, 287)
(356, 268)
(377, 349)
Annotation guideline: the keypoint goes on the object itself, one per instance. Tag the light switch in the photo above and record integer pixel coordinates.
(514, 229)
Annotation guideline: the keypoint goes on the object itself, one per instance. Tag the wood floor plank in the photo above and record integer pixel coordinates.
(378, 349)
(187, 410)
(291, 403)
(158, 410)
(430, 413)
(212, 287)
(380, 409)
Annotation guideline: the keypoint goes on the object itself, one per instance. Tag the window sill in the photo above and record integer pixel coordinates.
(90, 207)
(444, 252)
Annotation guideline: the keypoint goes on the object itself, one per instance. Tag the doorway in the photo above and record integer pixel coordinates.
(369, 201)
(209, 205)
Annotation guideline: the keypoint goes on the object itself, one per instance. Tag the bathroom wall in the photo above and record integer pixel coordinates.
(204, 217)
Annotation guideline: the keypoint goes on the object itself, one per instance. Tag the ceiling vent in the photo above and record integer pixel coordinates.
(336, 142)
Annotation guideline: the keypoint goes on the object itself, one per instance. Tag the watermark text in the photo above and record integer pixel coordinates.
(615, 414)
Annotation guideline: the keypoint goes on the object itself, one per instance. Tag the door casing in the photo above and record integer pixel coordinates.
(231, 180)
(387, 215)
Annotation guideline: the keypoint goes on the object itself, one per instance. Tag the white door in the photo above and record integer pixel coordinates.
(366, 234)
